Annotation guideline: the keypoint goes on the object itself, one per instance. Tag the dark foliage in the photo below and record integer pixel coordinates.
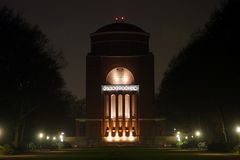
(201, 88)
(30, 83)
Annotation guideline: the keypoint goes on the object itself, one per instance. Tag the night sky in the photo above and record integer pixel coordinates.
(68, 23)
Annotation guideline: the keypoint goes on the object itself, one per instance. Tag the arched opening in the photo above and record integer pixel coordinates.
(120, 115)
(120, 75)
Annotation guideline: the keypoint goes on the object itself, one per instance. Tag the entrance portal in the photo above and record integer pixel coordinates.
(120, 106)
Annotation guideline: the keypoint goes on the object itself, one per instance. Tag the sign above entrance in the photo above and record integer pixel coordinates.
(120, 88)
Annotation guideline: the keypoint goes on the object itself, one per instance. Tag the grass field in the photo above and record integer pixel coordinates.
(123, 154)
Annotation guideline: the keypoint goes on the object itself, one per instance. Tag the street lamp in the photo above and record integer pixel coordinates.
(238, 129)
(40, 135)
(178, 136)
(61, 138)
(198, 133)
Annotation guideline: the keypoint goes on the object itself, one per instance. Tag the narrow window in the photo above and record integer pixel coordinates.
(120, 106)
(127, 106)
(113, 106)
(133, 105)
(106, 104)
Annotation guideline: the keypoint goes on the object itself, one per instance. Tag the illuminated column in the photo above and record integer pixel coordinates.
(137, 115)
(127, 106)
(120, 106)
(116, 125)
(120, 113)
(113, 114)
(127, 114)
(106, 114)
(134, 118)
(130, 115)
(124, 122)
(110, 121)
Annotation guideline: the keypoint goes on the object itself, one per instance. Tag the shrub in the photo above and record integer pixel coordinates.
(31, 146)
(6, 149)
(189, 144)
(1, 150)
(63, 145)
(236, 149)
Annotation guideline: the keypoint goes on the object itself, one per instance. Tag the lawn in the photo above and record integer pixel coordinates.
(123, 154)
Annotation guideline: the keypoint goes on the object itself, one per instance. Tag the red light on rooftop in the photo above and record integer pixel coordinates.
(119, 19)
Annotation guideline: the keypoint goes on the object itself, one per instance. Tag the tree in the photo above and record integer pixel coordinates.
(201, 86)
(29, 69)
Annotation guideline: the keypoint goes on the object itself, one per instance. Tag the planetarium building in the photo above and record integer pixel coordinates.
(119, 88)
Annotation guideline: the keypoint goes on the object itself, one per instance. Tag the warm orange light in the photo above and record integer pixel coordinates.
(124, 138)
(131, 138)
(120, 75)
(127, 106)
(113, 106)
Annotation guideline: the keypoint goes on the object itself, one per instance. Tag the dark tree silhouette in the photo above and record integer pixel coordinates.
(29, 71)
(201, 87)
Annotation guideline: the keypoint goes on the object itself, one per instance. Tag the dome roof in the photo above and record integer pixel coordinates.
(119, 27)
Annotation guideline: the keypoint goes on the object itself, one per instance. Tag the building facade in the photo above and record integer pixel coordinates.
(119, 88)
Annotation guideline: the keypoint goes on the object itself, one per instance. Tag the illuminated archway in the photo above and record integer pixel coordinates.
(120, 75)
(120, 106)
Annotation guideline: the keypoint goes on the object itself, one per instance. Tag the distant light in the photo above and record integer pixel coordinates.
(117, 138)
(47, 138)
(62, 133)
(198, 133)
(41, 135)
(131, 138)
(186, 137)
(238, 129)
(178, 137)
(192, 136)
(54, 138)
(109, 138)
(119, 19)
(178, 133)
(124, 138)
(174, 129)
(61, 137)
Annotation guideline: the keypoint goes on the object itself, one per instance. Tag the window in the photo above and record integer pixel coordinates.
(127, 106)
(106, 104)
(120, 106)
(113, 106)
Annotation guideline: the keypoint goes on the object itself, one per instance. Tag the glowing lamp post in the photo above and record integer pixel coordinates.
(197, 134)
(61, 138)
(40, 136)
(238, 129)
(178, 136)
(1, 133)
